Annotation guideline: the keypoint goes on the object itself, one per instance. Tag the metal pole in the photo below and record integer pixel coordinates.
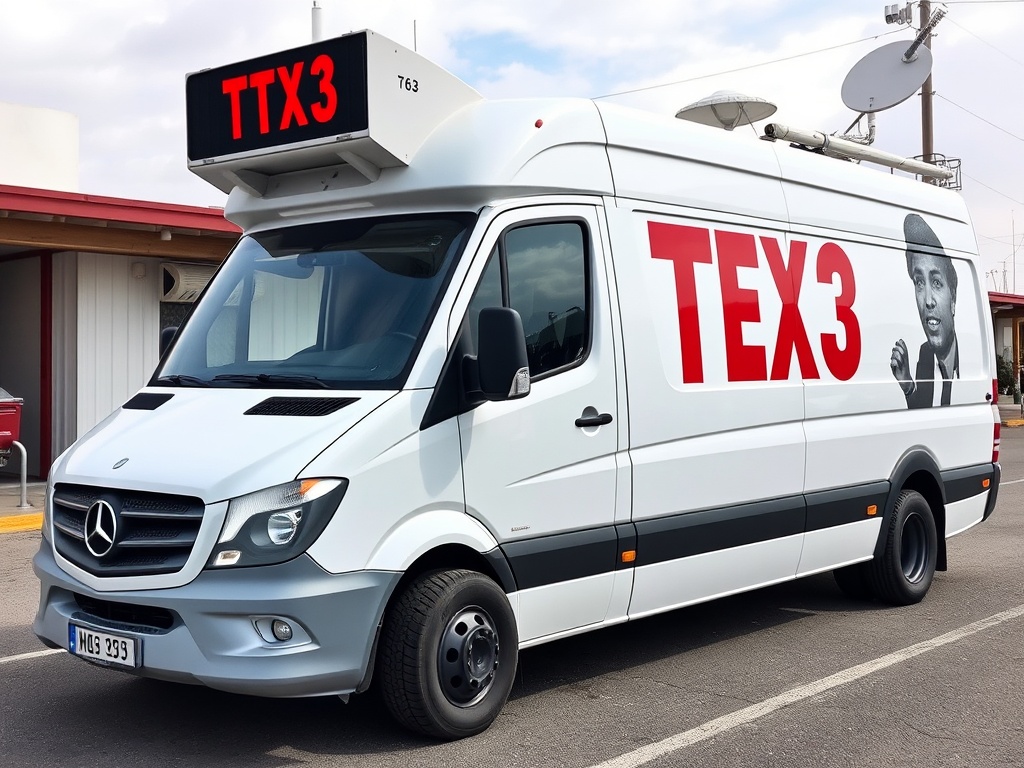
(927, 150)
(24, 476)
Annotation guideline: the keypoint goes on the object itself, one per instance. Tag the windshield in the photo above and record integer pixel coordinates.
(335, 305)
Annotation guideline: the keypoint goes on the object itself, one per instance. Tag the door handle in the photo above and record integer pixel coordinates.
(593, 419)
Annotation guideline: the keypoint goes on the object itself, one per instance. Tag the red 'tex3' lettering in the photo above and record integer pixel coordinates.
(293, 111)
(687, 246)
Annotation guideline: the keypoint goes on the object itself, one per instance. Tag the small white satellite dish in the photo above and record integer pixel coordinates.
(884, 78)
(727, 109)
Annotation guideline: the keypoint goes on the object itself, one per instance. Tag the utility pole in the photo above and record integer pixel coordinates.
(927, 149)
(896, 15)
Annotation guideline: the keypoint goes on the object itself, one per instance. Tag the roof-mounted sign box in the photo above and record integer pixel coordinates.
(360, 99)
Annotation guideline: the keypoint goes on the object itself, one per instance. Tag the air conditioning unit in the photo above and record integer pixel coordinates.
(184, 282)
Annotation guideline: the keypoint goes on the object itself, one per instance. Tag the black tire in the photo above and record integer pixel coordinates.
(903, 572)
(853, 581)
(448, 654)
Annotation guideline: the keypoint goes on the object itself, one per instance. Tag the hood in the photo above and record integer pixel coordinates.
(202, 442)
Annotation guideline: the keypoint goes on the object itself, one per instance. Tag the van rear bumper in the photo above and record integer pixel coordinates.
(215, 631)
(993, 492)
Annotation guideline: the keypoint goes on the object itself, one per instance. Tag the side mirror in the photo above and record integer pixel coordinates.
(503, 370)
(166, 337)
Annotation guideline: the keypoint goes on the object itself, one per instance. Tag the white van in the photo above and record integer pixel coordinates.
(484, 374)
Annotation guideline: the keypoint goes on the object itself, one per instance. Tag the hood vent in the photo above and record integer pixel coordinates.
(147, 401)
(300, 406)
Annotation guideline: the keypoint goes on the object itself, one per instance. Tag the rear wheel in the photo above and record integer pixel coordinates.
(448, 654)
(903, 572)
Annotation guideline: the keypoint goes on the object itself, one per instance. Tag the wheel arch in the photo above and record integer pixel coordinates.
(434, 541)
(419, 534)
(917, 470)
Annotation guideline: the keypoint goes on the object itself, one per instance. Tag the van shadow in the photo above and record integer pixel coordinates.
(636, 643)
(145, 721)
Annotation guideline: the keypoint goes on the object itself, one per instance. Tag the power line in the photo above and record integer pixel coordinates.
(1002, 239)
(986, 42)
(751, 66)
(993, 189)
(979, 117)
(844, 45)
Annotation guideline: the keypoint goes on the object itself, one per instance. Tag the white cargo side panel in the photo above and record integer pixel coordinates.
(661, 159)
(860, 424)
(715, 402)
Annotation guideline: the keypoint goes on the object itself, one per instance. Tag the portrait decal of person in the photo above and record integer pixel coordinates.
(938, 361)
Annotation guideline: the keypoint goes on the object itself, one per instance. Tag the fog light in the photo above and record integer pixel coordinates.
(282, 526)
(282, 630)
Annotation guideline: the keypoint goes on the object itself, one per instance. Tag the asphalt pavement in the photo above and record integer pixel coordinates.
(795, 675)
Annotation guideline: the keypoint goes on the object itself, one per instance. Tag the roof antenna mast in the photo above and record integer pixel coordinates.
(318, 27)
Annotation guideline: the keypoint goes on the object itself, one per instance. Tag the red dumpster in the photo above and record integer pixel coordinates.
(10, 419)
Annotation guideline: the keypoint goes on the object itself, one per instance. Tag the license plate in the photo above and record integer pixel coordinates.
(103, 646)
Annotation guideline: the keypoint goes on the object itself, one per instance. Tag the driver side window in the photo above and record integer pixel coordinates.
(541, 271)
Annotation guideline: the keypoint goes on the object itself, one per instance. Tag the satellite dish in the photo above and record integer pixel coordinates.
(727, 109)
(883, 78)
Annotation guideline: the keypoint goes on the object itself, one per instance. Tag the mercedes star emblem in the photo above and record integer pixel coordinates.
(100, 528)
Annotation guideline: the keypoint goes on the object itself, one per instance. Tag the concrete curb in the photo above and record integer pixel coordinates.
(21, 523)
(18, 519)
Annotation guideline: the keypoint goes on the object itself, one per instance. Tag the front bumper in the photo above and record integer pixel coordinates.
(213, 631)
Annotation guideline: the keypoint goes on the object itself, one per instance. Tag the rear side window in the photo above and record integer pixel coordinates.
(541, 271)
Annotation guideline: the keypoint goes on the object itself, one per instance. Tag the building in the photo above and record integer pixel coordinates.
(82, 283)
(1007, 315)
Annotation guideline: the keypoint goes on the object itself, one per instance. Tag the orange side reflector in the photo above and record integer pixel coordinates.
(629, 556)
(872, 510)
(986, 483)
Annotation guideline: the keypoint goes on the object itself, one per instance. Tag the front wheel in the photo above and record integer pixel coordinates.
(903, 572)
(448, 654)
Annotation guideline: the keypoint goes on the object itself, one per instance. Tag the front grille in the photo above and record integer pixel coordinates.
(155, 533)
(137, 618)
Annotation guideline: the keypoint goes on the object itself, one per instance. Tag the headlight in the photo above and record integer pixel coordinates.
(276, 524)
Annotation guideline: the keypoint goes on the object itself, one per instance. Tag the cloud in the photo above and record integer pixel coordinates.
(120, 66)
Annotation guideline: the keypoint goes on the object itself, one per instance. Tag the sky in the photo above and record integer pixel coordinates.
(120, 66)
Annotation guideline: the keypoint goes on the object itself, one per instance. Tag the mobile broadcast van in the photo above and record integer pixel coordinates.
(482, 374)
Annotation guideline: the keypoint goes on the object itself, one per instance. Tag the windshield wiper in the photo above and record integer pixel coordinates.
(181, 380)
(282, 380)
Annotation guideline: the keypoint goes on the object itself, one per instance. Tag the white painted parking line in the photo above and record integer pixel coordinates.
(26, 656)
(1010, 482)
(749, 714)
